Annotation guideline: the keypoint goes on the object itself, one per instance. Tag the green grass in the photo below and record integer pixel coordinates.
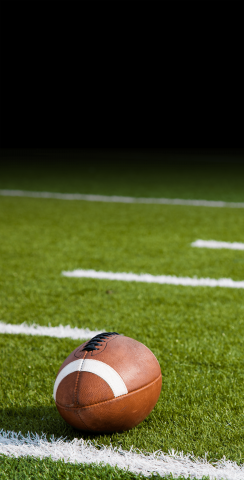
(196, 333)
(35, 469)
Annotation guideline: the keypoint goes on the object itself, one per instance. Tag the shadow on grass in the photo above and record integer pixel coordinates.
(42, 420)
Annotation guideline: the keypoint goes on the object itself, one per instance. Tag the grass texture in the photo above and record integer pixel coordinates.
(36, 469)
(196, 333)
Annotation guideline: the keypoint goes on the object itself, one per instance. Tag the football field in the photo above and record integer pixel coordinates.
(168, 273)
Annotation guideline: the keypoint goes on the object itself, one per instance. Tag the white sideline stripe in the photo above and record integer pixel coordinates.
(119, 199)
(58, 332)
(162, 279)
(216, 244)
(81, 451)
(97, 367)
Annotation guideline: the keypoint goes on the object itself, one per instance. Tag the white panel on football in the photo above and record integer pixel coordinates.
(108, 374)
(101, 369)
(70, 368)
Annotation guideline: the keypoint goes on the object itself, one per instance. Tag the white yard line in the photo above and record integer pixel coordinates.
(58, 332)
(216, 244)
(162, 279)
(81, 451)
(119, 199)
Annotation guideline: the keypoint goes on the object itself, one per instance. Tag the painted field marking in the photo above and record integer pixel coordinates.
(161, 279)
(81, 451)
(58, 332)
(120, 199)
(216, 244)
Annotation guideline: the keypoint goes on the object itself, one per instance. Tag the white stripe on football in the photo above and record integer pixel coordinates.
(101, 369)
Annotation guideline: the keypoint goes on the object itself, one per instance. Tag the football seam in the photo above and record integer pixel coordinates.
(75, 407)
(92, 353)
(76, 412)
(104, 348)
(77, 381)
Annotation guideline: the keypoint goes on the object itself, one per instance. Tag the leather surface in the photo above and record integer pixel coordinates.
(87, 402)
(117, 415)
(81, 388)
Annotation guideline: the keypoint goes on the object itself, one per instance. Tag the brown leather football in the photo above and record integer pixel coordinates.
(108, 384)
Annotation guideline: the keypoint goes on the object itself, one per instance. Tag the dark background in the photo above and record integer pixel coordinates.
(144, 172)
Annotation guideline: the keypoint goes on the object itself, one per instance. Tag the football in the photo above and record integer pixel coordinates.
(108, 384)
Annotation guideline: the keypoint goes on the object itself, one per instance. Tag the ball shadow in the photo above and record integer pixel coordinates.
(41, 420)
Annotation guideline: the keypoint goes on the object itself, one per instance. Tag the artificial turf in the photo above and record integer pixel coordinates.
(36, 469)
(195, 332)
